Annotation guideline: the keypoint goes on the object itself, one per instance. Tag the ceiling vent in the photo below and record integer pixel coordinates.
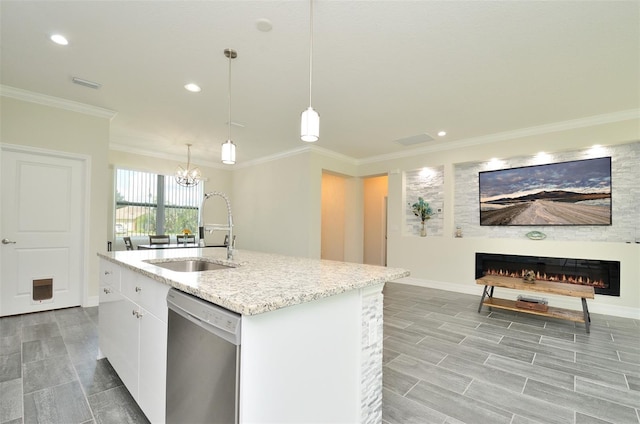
(86, 83)
(414, 139)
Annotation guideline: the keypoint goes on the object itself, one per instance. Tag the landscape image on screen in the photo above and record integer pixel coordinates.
(567, 193)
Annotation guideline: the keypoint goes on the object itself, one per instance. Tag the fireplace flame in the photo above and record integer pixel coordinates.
(543, 276)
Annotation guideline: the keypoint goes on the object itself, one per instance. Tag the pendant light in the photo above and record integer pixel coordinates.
(310, 120)
(228, 148)
(188, 177)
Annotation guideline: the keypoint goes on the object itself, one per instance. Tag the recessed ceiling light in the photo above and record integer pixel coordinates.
(59, 39)
(442, 133)
(194, 88)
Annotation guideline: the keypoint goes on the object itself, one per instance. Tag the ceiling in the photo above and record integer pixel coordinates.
(382, 70)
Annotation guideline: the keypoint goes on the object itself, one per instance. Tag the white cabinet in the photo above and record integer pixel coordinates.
(109, 298)
(133, 336)
(153, 367)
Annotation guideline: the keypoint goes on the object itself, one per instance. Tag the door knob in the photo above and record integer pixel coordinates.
(7, 241)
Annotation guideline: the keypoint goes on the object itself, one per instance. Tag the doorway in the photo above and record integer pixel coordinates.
(375, 220)
(41, 226)
(333, 217)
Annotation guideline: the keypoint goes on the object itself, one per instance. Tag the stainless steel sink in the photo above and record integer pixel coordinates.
(190, 265)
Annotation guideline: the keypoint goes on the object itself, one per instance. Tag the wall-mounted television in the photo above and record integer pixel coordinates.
(566, 193)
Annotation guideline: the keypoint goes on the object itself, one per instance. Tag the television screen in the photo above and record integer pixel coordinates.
(566, 193)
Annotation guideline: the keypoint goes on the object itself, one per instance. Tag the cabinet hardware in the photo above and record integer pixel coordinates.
(136, 314)
(138, 289)
(106, 290)
(107, 272)
(7, 241)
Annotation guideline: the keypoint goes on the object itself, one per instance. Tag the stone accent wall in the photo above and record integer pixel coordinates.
(428, 184)
(371, 371)
(625, 191)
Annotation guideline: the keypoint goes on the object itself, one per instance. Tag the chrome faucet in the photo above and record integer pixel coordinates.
(211, 227)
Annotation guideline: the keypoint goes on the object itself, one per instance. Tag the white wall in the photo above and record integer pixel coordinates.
(278, 204)
(31, 124)
(275, 206)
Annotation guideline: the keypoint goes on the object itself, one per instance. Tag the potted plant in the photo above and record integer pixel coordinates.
(422, 210)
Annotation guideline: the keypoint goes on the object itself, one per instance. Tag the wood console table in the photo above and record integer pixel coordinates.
(564, 289)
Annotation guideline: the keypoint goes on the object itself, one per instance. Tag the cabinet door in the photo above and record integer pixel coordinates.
(153, 367)
(108, 298)
(124, 355)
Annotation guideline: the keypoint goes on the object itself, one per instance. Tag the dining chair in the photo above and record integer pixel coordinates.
(191, 238)
(128, 243)
(159, 239)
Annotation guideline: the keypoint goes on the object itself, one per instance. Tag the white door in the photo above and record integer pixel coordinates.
(41, 227)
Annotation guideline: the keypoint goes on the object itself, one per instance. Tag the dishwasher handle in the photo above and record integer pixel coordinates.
(210, 317)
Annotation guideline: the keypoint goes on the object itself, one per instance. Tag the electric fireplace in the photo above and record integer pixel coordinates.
(602, 275)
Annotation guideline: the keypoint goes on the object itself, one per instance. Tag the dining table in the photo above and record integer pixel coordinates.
(175, 245)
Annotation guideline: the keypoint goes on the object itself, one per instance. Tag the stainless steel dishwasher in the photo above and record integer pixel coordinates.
(203, 361)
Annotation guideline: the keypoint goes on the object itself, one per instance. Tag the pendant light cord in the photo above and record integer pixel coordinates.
(310, 48)
(229, 121)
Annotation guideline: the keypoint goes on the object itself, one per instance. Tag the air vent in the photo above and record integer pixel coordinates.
(414, 139)
(86, 83)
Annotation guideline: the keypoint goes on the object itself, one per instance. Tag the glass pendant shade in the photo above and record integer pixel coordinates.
(188, 177)
(228, 153)
(310, 125)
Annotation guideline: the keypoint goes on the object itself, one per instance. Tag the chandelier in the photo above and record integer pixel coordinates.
(188, 177)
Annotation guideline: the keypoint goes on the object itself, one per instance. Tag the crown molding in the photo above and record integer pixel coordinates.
(299, 150)
(334, 155)
(271, 158)
(124, 148)
(43, 99)
(624, 115)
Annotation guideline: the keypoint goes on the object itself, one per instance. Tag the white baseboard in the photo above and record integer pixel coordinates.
(559, 301)
(91, 301)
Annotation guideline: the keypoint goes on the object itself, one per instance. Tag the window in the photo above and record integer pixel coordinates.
(149, 203)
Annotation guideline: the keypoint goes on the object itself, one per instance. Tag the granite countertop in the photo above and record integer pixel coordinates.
(257, 282)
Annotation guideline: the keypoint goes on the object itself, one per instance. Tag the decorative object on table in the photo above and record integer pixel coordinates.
(189, 177)
(458, 232)
(185, 235)
(529, 276)
(536, 235)
(532, 303)
(422, 210)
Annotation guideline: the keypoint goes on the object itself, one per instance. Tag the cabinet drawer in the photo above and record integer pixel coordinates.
(110, 274)
(146, 292)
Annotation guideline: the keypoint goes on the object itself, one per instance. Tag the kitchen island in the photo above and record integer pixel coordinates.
(311, 341)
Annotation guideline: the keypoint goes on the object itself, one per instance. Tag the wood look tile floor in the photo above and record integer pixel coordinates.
(443, 363)
(49, 372)
(446, 363)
